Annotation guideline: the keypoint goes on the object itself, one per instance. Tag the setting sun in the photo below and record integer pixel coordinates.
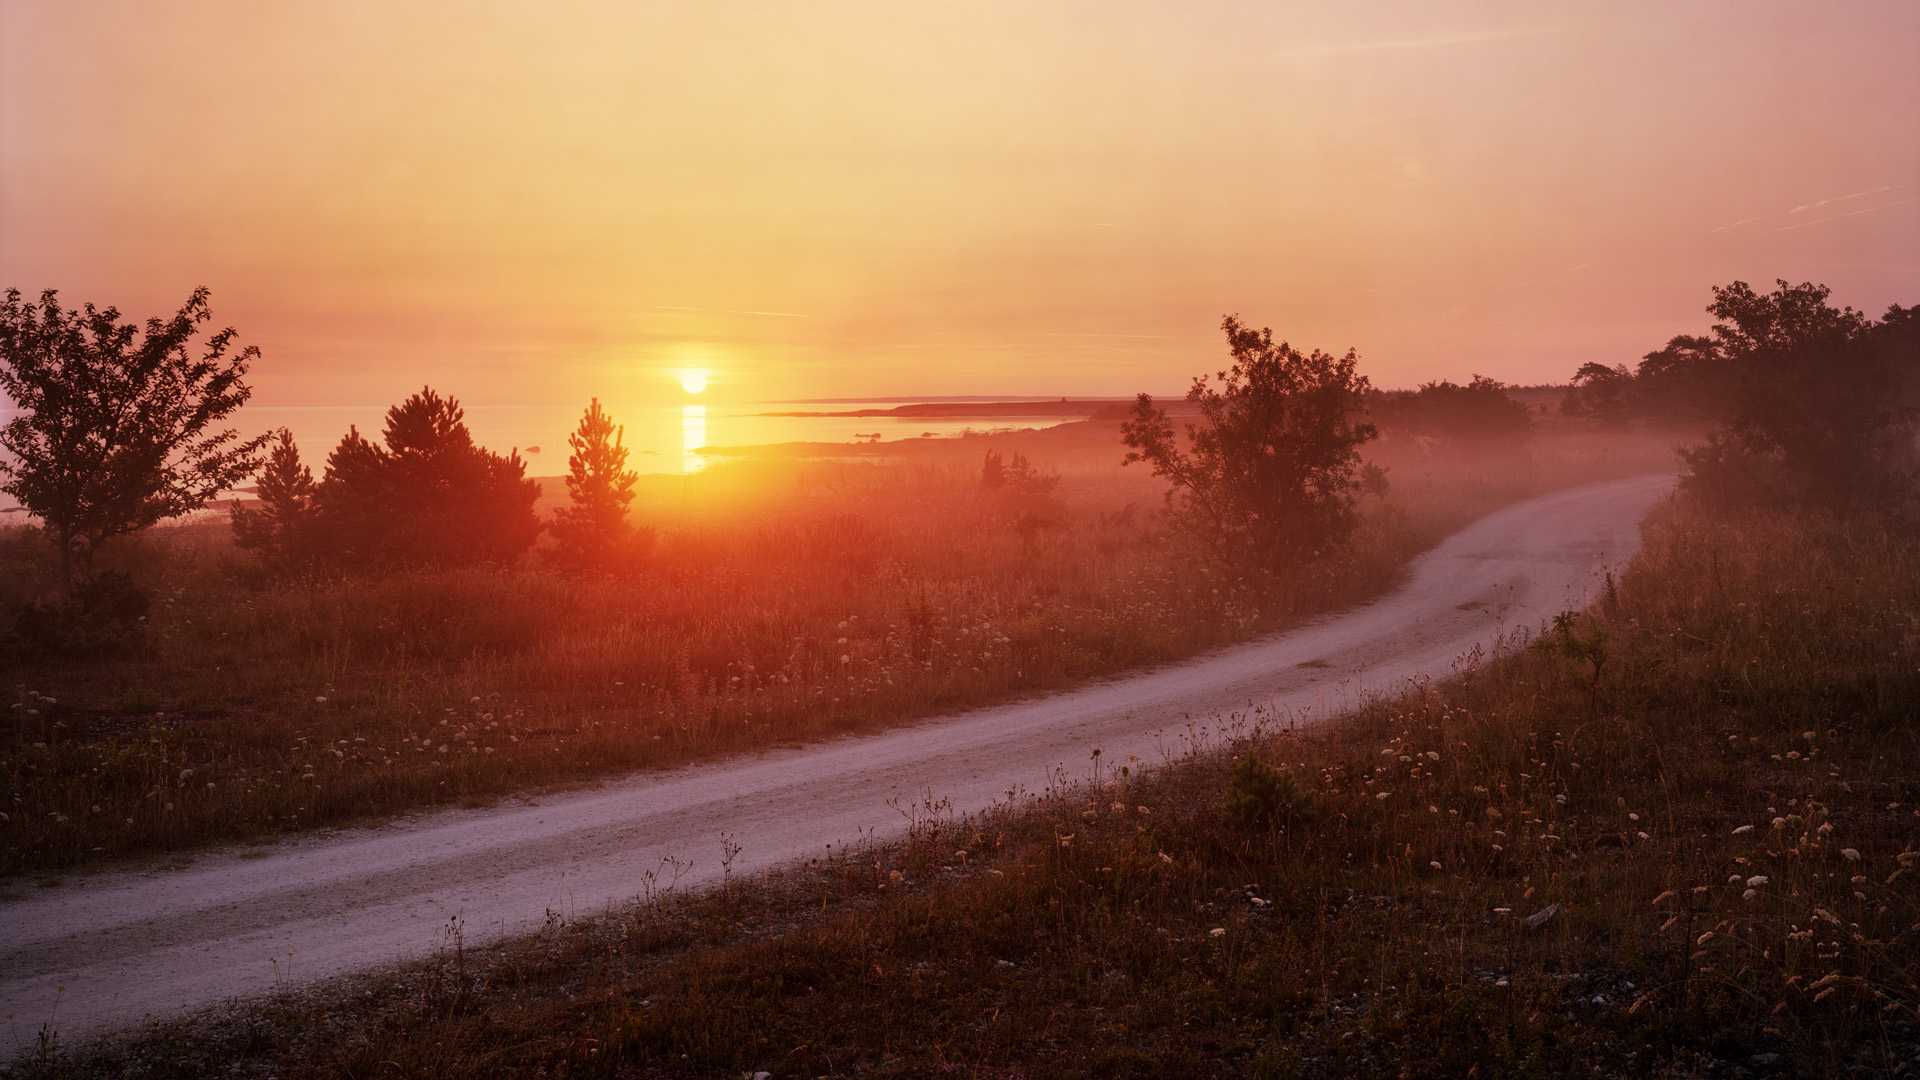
(1145, 479)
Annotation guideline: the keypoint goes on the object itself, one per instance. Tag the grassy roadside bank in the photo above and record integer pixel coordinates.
(841, 599)
(1677, 836)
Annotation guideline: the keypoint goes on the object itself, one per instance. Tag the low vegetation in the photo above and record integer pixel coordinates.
(851, 597)
(1676, 836)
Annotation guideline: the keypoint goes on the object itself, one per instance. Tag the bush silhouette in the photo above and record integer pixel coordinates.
(429, 496)
(1271, 473)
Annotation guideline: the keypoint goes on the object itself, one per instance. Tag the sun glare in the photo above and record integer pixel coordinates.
(693, 380)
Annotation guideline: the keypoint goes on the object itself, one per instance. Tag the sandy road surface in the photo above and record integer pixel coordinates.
(106, 950)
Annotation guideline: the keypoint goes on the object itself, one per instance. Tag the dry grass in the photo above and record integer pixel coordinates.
(826, 599)
(1695, 856)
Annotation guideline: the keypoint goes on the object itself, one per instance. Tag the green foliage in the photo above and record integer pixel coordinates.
(1261, 796)
(1579, 639)
(120, 427)
(595, 528)
(429, 496)
(1271, 474)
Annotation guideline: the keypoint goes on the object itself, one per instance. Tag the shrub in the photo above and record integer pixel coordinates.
(102, 615)
(1261, 796)
(1271, 474)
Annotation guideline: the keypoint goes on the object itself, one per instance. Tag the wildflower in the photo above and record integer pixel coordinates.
(1743, 830)
(1218, 931)
(1756, 881)
(1851, 854)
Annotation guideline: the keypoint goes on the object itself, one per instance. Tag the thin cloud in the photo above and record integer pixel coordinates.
(1094, 334)
(1840, 198)
(1816, 204)
(1430, 41)
(1848, 214)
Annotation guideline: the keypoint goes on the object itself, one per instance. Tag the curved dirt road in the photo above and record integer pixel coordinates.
(102, 952)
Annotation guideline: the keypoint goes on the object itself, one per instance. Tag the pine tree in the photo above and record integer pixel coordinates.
(430, 496)
(601, 486)
(280, 527)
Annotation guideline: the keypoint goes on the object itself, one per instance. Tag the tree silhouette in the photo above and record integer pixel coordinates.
(429, 496)
(280, 528)
(1820, 402)
(591, 530)
(1600, 392)
(121, 427)
(1272, 472)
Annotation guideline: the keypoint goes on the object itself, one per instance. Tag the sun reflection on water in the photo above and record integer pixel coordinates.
(693, 437)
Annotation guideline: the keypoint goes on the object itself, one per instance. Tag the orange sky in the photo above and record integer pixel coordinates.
(538, 202)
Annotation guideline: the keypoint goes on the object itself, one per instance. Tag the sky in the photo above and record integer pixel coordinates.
(532, 203)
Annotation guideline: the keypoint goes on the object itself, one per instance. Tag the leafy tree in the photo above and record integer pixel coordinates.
(1820, 409)
(1600, 392)
(280, 527)
(1687, 379)
(601, 487)
(429, 496)
(121, 426)
(1271, 472)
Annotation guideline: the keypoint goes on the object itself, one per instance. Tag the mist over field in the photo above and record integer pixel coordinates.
(997, 541)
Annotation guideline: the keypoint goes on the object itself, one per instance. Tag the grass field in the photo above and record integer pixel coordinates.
(781, 603)
(1676, 836)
